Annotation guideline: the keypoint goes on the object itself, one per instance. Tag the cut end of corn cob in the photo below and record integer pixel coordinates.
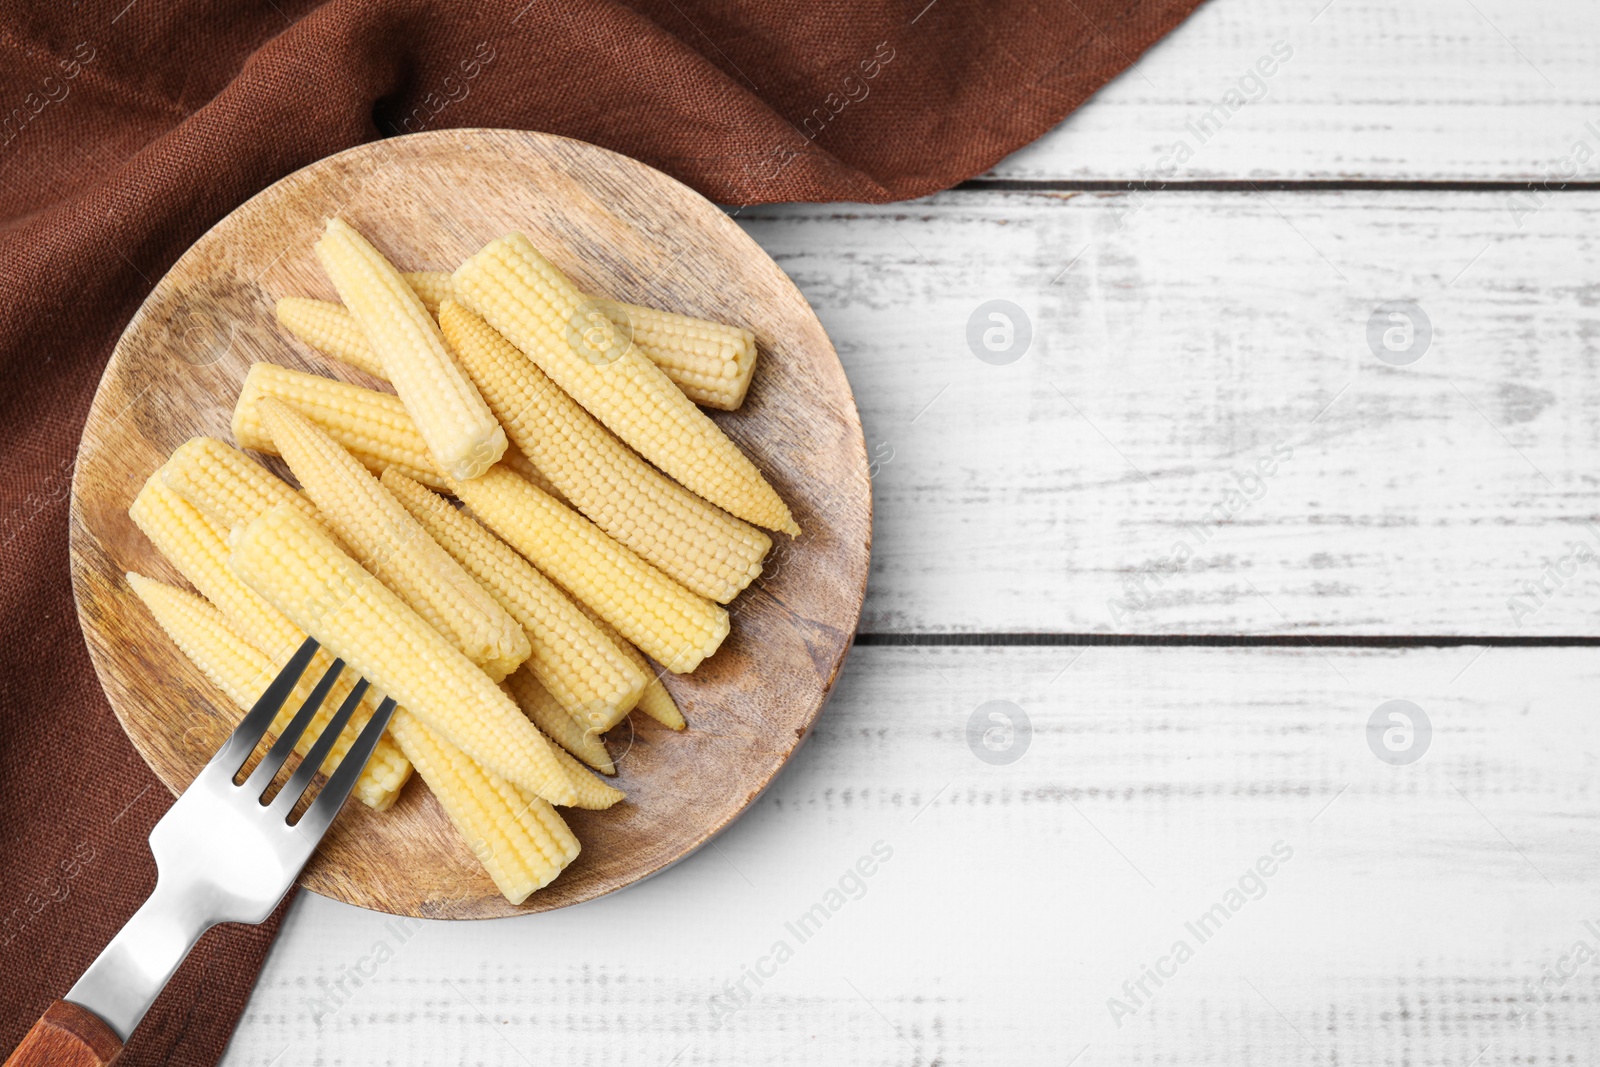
(393, 546)
(520, 839)
(713, 364)
(462, 434)
(524, 296)
(663, 618)
(243, 673)
(709, 551)
(328, 328)
(299, 569)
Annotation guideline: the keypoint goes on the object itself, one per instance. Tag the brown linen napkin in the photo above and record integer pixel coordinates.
(128, 127)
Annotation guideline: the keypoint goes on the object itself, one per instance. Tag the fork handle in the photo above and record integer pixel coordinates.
(67, 1036)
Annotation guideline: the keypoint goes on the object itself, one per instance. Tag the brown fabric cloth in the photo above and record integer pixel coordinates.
(128, 127)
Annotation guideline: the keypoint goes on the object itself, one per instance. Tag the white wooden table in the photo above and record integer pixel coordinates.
(1433, 508)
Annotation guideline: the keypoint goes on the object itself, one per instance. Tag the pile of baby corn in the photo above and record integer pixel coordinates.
(604, 518)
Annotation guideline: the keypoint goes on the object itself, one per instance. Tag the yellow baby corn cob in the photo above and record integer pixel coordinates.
(524, 296)
(433, 287)
(710, 362)
(676, 627)
(374, 427)
(558, 724)
(390, 543)
(228, 486)
(588, 791)
(198, 548)
(462, 434)
(655, 701)
(286, 559)
(520, 839)
(709, 551)
(588, 674)
(330, 329)
(243, 672)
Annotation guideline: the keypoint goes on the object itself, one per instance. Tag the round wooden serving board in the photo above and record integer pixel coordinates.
(620, 229)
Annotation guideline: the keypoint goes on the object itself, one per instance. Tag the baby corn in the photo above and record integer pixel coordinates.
(225, 484)
(709, 551)
(673, 625)
(331, 330)
(520, 839)
(243, 672)
(197, 547)
(462, 434)
(524, 296)
(710, 362)
(391, 544)
(590, 676)
(558, 724)
(286, 559)
(373, 427)
(587, 790)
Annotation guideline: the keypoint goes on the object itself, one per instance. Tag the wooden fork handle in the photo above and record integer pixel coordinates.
(67, 1036)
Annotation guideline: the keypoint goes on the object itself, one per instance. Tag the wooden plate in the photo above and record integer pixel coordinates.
(620, 229)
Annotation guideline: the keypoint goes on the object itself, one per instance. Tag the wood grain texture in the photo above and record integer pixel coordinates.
(1428, 90)
(67, 1035)
(1176, 341)
(1417, 902)
(619, 229)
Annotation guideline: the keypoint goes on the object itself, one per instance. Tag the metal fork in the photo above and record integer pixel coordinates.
(223, 854)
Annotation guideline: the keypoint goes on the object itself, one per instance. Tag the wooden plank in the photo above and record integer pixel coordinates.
(1408, 906)
(1179, 340)
(1430, 90)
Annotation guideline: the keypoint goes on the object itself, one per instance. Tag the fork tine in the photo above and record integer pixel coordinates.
(290, 793)
(322, 810)
(268, 768)
(231, 756)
